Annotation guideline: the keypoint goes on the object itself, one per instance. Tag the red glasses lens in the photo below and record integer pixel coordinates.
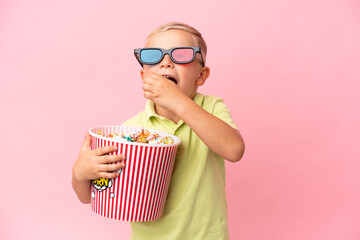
(182, 54)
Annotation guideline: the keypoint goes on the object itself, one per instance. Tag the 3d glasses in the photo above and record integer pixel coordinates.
(180, 55)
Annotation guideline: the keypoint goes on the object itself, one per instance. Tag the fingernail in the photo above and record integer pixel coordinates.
(115, 148)
(124, 158)
(123, 164)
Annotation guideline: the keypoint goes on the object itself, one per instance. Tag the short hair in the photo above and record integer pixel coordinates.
(182, 26)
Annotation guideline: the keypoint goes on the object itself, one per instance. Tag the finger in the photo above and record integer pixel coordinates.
(112, 167)
(156, 80)
(155, 75)
(148, 95)
(112, 158)
(109, 174)
(87, 142)
(147, 87)
(152, 78)
(104, 150)
(149, 80)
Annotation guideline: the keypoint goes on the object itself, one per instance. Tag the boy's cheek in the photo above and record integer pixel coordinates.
(149, 68)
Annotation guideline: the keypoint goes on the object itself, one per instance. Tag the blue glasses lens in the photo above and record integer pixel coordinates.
(150, 55)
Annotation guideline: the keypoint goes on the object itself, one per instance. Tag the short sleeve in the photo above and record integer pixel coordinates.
(221, 111)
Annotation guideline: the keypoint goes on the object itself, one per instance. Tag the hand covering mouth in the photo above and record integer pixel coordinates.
(171, 78)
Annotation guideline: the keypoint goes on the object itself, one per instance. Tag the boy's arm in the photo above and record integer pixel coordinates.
(219, 136)
(82, 189)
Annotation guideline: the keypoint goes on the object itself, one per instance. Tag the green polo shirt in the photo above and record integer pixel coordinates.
(196, 205)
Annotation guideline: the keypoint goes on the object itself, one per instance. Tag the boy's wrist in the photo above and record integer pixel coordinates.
(76, 176)
(183, 106)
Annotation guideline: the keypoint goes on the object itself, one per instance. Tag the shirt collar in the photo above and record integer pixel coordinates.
(150, 109)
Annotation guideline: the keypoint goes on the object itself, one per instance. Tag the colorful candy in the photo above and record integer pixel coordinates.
(140, 136)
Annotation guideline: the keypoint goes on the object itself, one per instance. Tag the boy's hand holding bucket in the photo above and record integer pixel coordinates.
(92, 164)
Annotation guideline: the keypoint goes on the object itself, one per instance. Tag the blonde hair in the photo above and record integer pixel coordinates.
(182, 26)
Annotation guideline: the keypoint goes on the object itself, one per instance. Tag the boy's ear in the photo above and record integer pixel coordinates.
(142, 74)
(204, 74)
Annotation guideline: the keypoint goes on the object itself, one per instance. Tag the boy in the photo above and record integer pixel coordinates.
(196, 203)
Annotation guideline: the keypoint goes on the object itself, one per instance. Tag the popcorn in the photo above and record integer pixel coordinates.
(140, 136)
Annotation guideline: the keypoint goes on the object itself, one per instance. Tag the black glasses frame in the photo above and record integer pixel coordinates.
(137, 53)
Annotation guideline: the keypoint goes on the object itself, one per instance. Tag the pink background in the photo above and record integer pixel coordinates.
(288, 70)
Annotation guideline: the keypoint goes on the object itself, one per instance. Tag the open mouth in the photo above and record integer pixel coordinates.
(170, 78)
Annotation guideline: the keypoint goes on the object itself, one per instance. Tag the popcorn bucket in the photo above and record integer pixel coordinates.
(139, 192)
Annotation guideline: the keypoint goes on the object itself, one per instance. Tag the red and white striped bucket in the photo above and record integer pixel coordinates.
(139, 192)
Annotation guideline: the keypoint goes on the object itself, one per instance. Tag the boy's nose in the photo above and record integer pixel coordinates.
(166, 62)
